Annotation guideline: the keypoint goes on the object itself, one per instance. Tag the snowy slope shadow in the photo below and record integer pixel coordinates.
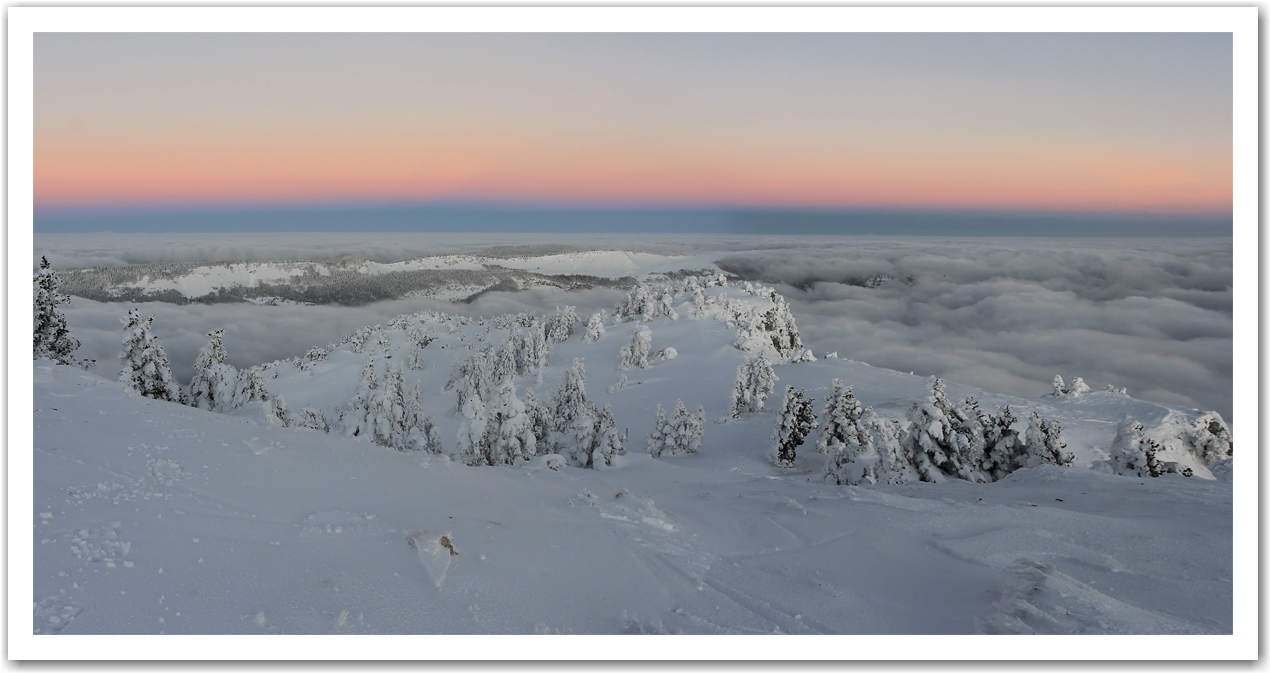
(1038, 598)
(434, 552)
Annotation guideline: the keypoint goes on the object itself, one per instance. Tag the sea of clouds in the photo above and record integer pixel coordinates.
(1003, 314)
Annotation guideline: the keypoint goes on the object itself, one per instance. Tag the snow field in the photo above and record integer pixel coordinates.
(233, 524)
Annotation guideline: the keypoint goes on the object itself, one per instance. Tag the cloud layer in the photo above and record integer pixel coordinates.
(1005, 315)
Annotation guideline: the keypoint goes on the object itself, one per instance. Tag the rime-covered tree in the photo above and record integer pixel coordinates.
(656, 440)
(353, 418)
(607, 441)
(594, 327)
(635, 355)
(419, 340)
(1003, 447)
(1079, 387)
(1044, 441)
(508, 432)
(535, 350)
(755, 380)
(895, 463)
(797, 419)
(970, 425)
(1208, 438)
(933, 441)
(250, 387)
(560, 325)
(680, 435)
(840, 419)
(213, 384)
(573, 417)
(52, 340)
(1133, 453)
(1060, 387)
(146, 367)
(540, 420)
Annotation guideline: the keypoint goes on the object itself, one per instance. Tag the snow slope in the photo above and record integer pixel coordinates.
(153, 517)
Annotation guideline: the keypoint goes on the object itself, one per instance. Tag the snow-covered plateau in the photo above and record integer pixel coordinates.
(405, 481)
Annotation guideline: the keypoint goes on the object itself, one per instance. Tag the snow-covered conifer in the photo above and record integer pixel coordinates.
(841, 418)
(656, 440)
(1079, 387)
(472, 431)
(1208, 438)
(969, 425)
(1044, 441)
(895, 463)
(213, 384)
(250, 387)
(635, 355)
(419, 340)
(1060, 388)
(797, 419)
(535, 350)
(540, 420)
(560, 325)
(1133, 453)
(508, 435)
(146, 367)
(573, 417)
(354, 416)
(594, 327)
(1003, 447)
(682, 434)
(52, 340)
(755, 380)
(608, 442)
(932, 440)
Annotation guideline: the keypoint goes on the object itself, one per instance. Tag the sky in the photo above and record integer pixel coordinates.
(1120, 123)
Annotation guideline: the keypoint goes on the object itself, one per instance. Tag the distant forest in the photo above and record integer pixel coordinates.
(344, 284)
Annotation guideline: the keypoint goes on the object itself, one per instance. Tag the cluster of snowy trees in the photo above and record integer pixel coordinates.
(1133, 453)
(764, 328)
(1079, 388)
(679, 435)
(938, 440)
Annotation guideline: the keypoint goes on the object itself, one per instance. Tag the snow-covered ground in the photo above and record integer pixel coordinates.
(151, 517)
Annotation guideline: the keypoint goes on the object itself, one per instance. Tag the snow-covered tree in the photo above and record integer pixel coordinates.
(755, 380)
(560, 325)
(146, 367)
(1044, 441)
(472, 431)
(213, 384)
(1208, 438)
(353, 418)
(1079, 387)
(508, 432)
(52, 340)
(540, 420)
(797, 419)
(970, 425)
(534, 351)
(635, 355)
(250, 387)
(895, 463)
(1060, 387)
(931, 439)
(594, 327)
(1133, 453)
(573, 418)
(779, 324)
(608, 442)
(841, 419)
(680, 435)
(419, 340)
(1003, 447)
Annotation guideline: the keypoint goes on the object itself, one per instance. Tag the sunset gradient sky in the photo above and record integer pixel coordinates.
(1066, 122)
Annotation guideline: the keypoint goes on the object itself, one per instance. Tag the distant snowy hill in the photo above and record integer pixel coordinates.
(318, 503)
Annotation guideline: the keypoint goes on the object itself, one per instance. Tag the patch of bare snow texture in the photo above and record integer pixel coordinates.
(1039, 599)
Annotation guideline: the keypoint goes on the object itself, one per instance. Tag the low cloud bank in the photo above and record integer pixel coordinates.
(1006, 315)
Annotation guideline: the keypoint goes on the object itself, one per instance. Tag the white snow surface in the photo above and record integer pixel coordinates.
(153, 517)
